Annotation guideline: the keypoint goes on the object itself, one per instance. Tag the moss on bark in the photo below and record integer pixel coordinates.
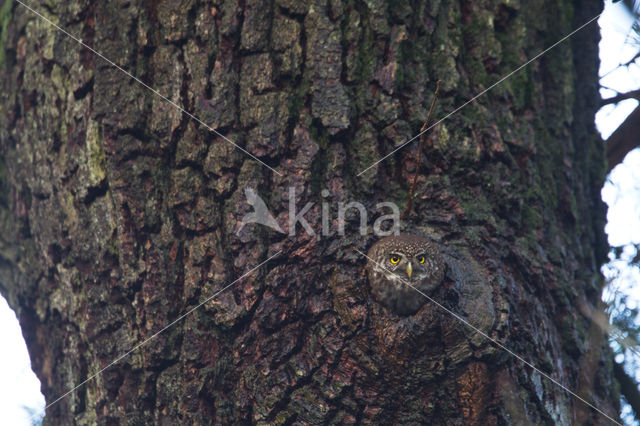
(118, 213)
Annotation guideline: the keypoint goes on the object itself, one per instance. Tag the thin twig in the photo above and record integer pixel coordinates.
(423, 136)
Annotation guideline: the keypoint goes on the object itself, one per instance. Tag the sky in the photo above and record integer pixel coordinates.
(19, 386)
(20, 389)
(621, 191)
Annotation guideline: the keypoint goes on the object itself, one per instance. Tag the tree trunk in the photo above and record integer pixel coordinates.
(120, 213)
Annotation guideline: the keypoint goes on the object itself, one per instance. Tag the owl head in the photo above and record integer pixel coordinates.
(400, 262)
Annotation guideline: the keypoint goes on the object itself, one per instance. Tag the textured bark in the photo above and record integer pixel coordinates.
(119, 213)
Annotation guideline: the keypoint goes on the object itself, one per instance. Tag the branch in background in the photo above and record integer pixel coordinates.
(628, 388)
(626, 64)
(632, 60)
(624, 139)
(634, 94)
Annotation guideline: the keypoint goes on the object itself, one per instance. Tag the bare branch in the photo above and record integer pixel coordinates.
(624, 139)
(628, 388)
(634, 94)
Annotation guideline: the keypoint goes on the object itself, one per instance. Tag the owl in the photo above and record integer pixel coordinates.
(399, 259)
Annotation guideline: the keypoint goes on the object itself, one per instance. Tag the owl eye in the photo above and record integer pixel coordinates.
(420, 259)
(394, 259)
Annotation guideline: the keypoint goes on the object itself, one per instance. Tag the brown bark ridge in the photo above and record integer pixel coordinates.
(119, 213)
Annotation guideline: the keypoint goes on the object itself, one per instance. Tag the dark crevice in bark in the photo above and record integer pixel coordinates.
(96, 192)
(155, 249)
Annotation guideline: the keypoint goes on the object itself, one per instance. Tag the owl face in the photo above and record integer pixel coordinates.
(398, 263)
(407, 265)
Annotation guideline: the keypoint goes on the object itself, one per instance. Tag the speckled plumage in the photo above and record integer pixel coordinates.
(386, 279)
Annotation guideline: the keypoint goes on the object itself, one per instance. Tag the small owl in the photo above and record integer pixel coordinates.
(409, 258)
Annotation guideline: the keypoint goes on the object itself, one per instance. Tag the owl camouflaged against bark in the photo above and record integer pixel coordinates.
(400, 261)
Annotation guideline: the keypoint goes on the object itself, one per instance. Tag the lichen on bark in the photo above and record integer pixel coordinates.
(118, 213)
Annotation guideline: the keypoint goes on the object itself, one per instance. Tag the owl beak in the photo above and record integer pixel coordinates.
(409, 269)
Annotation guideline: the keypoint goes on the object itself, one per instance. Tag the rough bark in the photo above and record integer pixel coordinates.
(119, 213)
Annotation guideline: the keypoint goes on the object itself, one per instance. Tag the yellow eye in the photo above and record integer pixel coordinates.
(394, 259)
(421, 259)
